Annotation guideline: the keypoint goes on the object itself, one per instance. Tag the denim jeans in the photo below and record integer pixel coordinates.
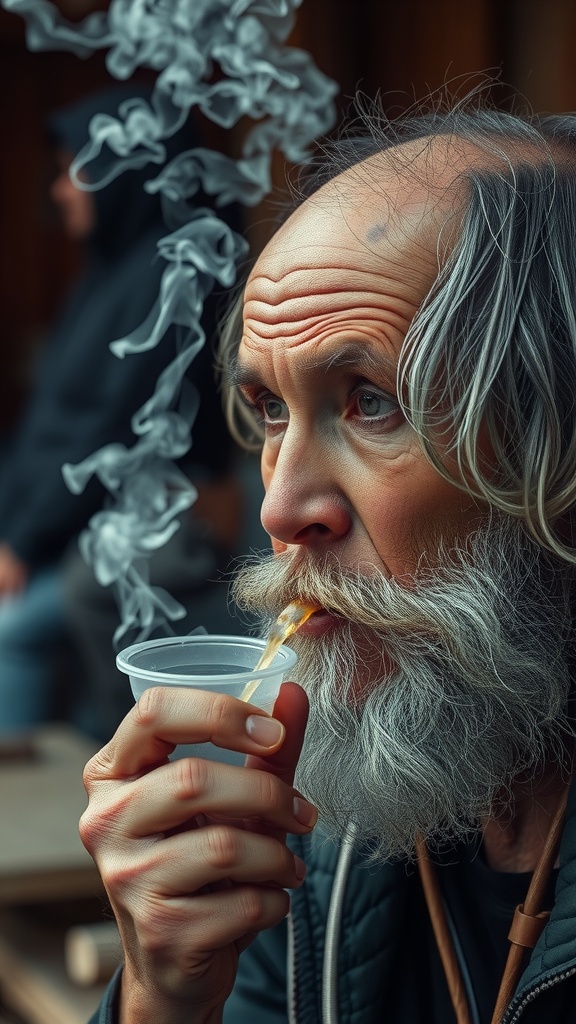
(32, 627)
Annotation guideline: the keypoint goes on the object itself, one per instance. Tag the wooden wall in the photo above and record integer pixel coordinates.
(36, 262)
(403, 48)
(407, 47)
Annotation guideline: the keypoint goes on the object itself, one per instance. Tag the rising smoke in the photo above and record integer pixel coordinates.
(229, 59)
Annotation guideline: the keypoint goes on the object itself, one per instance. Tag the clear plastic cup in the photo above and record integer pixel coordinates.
(222, 664)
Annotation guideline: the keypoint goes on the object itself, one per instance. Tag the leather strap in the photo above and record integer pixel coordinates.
(526, 929)
(527, 923)
(442, 935)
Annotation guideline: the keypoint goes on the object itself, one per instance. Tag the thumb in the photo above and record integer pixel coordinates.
(291, 708)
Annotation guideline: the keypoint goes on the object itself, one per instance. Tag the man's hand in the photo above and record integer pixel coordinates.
(193, 852)
(13, 572)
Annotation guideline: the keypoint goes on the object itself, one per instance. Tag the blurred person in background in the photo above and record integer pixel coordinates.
(82, 398)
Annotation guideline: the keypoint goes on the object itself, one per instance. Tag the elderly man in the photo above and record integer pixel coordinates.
(408, 354)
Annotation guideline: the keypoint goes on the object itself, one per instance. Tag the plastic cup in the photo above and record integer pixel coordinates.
(222, 664)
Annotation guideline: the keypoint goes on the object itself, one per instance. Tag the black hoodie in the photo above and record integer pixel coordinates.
(84, 396)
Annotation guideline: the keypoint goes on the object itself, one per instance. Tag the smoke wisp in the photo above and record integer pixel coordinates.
(228, 58)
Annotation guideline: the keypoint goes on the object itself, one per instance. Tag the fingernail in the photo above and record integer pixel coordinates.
(304, 812)
(299, 868)
(265, 731)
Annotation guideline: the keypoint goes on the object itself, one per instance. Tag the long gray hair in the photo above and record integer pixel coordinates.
(491, 352)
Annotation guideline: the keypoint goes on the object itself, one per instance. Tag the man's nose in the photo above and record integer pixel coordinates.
(303, 503)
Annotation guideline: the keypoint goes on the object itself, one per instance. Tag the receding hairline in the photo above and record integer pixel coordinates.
(430, 175)
(439, 164)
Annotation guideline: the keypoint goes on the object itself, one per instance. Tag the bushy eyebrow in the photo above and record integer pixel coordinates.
(362, 357)
(239, 376)
(354, 355)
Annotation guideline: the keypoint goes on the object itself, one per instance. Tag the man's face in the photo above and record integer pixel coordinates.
(77, 208)
(438, 669)
(326, 311)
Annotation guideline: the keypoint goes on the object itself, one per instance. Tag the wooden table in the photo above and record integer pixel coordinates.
(44, 865)
(33, 978)
(41, 800)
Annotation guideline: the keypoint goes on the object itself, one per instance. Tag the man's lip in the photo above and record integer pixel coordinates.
(320, 622)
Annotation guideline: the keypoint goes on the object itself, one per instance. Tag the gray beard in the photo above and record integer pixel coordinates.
(432, 695)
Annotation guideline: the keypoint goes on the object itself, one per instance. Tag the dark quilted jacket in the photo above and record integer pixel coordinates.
(335, 960)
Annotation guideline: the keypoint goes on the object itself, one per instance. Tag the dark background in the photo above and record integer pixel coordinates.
(402, 48)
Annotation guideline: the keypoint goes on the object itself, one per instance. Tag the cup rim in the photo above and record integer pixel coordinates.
(284, 659)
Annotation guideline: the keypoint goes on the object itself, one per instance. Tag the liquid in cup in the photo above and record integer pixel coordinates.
(222, 664)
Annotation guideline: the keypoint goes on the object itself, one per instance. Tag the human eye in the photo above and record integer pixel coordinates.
(271, 412)
(374, 409)
(273, 409)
